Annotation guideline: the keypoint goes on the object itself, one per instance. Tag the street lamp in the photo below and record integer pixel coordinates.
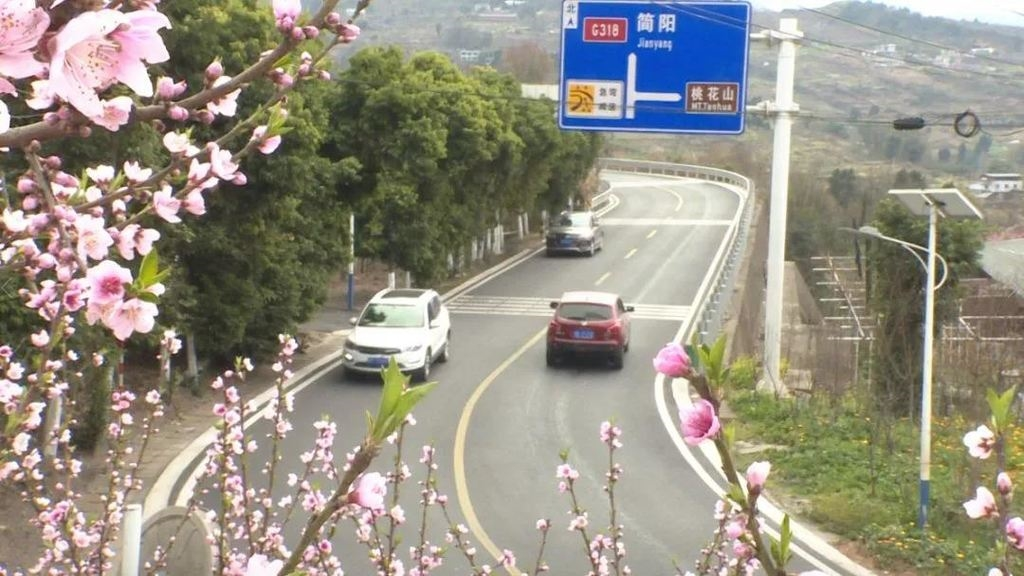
(932, 202)
(914, 250)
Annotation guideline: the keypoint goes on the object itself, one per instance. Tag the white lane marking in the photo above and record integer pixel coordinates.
(679, 199)
(519, 306)
(652, 233)
(602, 278)
(630, 254)
(646, 222)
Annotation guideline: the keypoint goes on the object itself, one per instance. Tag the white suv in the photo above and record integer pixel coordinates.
(410, 324)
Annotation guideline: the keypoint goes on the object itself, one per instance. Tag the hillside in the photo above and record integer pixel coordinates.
(860, 66)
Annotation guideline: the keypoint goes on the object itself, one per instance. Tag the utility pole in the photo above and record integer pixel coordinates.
(783, 110)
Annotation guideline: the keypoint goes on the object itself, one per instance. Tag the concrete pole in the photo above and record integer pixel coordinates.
(926, 373)
(54, 413)
(391, 280)
(785, 110)
(351, 260)
(131, 540)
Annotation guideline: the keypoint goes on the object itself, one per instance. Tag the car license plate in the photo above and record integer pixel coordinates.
(583, 334)
(377, 361)
(566, 241)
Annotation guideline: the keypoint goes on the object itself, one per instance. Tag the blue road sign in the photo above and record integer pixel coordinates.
(654, 66)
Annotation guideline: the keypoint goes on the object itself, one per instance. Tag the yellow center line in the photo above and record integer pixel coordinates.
(630, 254)
(652, 233)
(602, 278)
(459, 452)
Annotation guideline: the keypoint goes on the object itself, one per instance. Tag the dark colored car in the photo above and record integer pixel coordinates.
(589, 323)
(576, 232)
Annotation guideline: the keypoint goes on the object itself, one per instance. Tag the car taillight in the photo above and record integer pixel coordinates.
(554, 329)
(615, 331)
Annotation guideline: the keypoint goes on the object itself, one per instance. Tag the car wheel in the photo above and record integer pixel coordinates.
(446, 353)
(424, 373)
(552, 358)
(617, 359)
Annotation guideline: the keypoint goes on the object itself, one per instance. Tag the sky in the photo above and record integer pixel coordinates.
(995, 11)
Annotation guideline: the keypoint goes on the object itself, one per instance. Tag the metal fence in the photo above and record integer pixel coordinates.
(712, 300)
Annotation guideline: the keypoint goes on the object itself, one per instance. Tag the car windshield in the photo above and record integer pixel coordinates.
(575, 220)
(584, 311)
(381, 315)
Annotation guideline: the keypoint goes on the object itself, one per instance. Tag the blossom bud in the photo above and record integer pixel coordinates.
(311, 32)
(177, 113)
(1004, 484)
(304, 70)
(84, 131)
(205, 116)
(298, 34)
(325, 75)
(284, 81)
(52, 162)
(51, 118)
(333, 19)
(214, 70)
(26, 185)
(348, 32)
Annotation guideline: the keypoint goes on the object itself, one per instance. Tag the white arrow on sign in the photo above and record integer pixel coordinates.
(633, 96)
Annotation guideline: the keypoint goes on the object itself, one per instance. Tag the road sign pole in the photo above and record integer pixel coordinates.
(784, 109)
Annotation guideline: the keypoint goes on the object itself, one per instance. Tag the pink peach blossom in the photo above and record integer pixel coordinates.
(167, 89)
(106, 282)
(983, 505)
(267, 145)
(757, 474)
(22, 25)
(131, 316)
(980, 442)
(698, 422)
(116, 113)
(136, 173)
(260, 565)
(226, 105)
(166, 205)
(194, 202)
(98, 48)
(368, 491)
(176, 143)
(93, 239)
(1015, 532)
(672, 361)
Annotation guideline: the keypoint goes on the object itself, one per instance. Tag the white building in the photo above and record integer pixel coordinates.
(998, 185)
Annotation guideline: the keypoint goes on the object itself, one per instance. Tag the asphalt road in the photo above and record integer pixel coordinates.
(500, 416)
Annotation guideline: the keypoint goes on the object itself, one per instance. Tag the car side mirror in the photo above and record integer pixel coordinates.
(353, 320)
(629, 309)
(554, 304)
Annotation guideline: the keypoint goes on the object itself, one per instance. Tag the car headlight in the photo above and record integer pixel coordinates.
(412, 348)
(350, 345)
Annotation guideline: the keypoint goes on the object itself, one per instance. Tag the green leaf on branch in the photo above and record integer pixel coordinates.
(396, 401)
(1000, 405)
(149, 272)
(780, 548)
(735, 494)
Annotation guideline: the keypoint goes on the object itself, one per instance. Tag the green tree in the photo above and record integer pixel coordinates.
(897, 297)
(259, 261)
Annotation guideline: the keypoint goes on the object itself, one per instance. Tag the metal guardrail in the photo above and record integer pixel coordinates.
(710, 304)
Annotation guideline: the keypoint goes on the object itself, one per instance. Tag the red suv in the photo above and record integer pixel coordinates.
(589, 323)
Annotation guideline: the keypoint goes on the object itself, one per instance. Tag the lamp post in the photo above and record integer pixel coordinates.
(932, 202)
